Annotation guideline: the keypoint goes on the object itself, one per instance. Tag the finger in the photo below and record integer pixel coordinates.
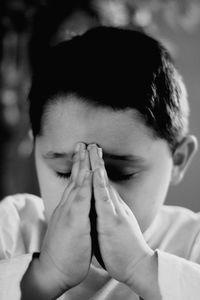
(67, 192)
(84, 166)
(95, 154)
(79, 149)
(96, 159)
(84, 190)
(74, 173)
(121, 207)
(80, 196)
(77, 192)
(117, 201)
(80, 172)
(103, 200)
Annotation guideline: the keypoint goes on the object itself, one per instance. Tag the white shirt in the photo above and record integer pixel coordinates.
(174, 234)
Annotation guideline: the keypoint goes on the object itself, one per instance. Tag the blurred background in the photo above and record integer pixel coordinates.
(27, 27)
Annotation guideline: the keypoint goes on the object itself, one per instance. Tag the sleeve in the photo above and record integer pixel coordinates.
(21, 232)
(179, 279)
(11, 273)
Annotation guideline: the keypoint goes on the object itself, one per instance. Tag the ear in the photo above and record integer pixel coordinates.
(182, 157)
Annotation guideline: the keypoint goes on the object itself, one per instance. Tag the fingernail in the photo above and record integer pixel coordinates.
(100, 152)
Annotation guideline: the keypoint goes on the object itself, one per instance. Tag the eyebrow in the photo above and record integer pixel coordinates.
(106, 155)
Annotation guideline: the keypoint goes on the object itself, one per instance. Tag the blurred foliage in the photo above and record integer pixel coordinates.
(27, 27)
(184, 13)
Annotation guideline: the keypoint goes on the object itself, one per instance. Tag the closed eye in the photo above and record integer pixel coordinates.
(120, 177)
(63, 175)
(112, 175)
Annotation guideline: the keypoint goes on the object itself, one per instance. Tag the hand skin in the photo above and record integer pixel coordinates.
(65, 255)
(126, 255)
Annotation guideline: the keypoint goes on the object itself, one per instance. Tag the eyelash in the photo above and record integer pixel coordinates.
(115, 177)
(120, 177)
(63, 175)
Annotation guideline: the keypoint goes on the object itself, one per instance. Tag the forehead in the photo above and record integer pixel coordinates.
(72, 120)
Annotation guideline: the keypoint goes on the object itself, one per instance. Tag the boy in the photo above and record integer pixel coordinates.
(109, 117)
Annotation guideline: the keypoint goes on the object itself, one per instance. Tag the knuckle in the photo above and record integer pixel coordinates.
(103, 187)
(76, 157)
(74, 188)
(105, 198)
(107, 185)
(79, 197)
(100, 185)
(118, 221)
(77, 182)
(84, 185)
(101, 163)
(82, 163)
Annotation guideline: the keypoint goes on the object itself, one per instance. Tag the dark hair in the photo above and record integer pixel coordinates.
(116, 68)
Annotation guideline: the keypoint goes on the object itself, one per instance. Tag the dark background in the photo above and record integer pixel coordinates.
(27, 27)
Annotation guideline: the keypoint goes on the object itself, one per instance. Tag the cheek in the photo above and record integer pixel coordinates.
(51, 188)
(145, 196)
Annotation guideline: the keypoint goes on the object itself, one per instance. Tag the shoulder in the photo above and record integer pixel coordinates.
(179, 230)
(25, 197)
(22, 224)
(20, 205)
(180, 216)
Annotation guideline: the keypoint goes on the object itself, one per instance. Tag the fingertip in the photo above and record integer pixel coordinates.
(90, 146)
(79, 146)
(100, 152)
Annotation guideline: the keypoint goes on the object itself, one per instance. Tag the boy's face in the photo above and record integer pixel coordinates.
(138, 165)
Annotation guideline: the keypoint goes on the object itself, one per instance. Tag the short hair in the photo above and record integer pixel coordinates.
(116, 68)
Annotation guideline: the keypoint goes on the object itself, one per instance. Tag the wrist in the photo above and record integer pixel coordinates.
(144, 277)
(39, 283)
